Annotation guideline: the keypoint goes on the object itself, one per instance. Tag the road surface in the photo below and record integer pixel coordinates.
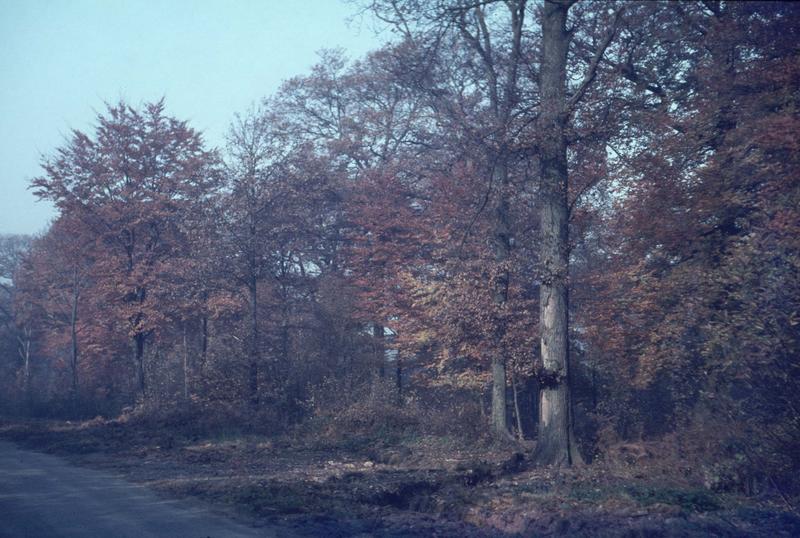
(43, 496)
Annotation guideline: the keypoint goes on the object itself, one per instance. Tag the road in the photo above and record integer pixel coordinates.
(43, 496)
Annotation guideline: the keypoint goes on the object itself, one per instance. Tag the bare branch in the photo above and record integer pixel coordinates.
(598, 55)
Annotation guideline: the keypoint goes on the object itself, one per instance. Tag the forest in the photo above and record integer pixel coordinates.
(522, 245)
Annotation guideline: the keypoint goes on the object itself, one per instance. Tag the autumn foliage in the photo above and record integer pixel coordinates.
(369, 241)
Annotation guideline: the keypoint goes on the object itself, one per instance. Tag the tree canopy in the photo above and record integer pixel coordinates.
(576, 221)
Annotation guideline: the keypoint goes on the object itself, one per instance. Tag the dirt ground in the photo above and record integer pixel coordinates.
(422, 486)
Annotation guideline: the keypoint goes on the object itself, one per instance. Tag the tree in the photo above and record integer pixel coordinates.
(131, 185)
(465, 61)
(61, 262)
(492, 106)
(253, 170)
(701, 249)
(364, 122)
(276, 217)
(12, 250)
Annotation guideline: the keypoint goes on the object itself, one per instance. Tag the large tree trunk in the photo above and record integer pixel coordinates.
(499, 403)
(555, 444)
(501, 246)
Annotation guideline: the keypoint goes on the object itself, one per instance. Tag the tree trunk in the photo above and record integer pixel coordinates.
(255, 345)
(25, 354)
(203, 343)
(399, 380)
(517, 414)
(501, 246)
(499, 400)
(186, 364)
(280, 370)
(74, 347)
(139, 340)
(380, 351)
(554, 445)
(138, 368)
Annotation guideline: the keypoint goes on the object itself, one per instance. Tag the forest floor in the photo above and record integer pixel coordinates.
(420, 486)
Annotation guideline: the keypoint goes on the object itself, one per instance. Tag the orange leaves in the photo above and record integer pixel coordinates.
(129, 195)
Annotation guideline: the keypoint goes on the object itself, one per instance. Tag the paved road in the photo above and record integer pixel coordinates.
(43, 496)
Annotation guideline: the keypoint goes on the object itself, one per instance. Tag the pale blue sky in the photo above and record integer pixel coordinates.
(60, 60)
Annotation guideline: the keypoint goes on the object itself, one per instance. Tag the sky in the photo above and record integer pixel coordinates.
(61, 60)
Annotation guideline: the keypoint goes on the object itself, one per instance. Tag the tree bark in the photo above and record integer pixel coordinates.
(74, 347)
(380, 350)
(255, 345)
(501, 246)
(186, 364)
(399, 380)
(554, 444)
(517, 414)
(139, 387)
(499, 400)
(139, 339)
(25, 354)
(203, 343)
